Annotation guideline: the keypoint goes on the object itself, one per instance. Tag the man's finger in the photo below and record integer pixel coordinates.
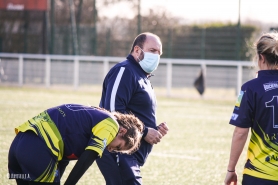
(162, 131)
(164, 126)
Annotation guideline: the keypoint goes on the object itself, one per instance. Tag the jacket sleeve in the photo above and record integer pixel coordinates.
(118, 88)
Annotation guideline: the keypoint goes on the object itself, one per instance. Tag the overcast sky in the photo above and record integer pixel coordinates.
(265, 11)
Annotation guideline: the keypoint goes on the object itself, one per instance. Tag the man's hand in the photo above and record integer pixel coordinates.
(154, 136)
(163, 128)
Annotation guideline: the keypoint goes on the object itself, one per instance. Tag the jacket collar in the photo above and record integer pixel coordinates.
(132, 59)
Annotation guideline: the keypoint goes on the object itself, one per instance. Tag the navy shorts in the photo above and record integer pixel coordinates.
(250, 180)
(30, 159)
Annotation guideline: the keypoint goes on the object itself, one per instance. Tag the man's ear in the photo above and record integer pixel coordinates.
(122, 131)
(136, 49)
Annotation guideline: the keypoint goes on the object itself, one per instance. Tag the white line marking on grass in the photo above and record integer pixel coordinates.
(181, 156)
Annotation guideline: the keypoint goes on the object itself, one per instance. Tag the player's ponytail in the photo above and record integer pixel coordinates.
(267, 45)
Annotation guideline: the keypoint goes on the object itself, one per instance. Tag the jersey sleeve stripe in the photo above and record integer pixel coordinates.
(115, 88)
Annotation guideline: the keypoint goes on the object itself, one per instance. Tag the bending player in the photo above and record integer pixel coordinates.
(44, 144)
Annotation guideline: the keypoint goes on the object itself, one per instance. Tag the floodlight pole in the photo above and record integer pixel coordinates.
(139, 18)
(238, 34)
(52, 32)
(203, 43)
(94, 44)
(73, 28)
(78, 19)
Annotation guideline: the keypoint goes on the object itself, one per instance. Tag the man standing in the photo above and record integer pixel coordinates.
(127, 89)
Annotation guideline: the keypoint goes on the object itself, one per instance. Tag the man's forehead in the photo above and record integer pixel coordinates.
(152, 41)
(152, 38)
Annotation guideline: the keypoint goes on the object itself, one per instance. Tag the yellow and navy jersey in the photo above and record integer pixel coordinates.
(70, 129)
(257, 108)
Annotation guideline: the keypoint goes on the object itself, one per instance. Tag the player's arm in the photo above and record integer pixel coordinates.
(105, 130)
(238, 142)
(62, 166)
(84, 162)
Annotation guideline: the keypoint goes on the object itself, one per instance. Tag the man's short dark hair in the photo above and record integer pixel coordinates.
(139, 41)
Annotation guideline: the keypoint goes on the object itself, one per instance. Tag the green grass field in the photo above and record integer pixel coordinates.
(195, 151)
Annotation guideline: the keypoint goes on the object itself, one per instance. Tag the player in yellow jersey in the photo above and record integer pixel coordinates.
(257, 110)
(44, 144)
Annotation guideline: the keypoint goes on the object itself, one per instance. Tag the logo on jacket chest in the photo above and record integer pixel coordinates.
(145, 84)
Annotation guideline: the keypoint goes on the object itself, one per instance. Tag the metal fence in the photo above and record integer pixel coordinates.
(76, 71)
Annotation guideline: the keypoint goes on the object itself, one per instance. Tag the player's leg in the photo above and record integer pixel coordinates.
(21, 182)
(109, 168)
(130, 170)
(13, 165)
(31, 160)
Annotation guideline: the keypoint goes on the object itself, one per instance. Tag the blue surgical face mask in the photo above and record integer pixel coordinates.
(149, 62)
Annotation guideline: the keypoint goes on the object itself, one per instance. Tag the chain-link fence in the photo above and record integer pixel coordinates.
(35, 32)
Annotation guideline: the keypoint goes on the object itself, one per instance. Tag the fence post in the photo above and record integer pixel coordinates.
(204, 69)
(105, 67)
(47, 71)
(239, 77)
(76, 73)
(169, 78)
(20, 70)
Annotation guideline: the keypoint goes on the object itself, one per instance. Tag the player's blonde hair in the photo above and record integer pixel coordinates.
(134, 128)
(267, 45)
